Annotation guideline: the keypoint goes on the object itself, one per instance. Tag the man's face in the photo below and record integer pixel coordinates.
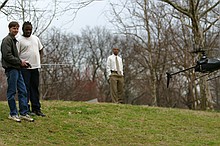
(27, 30)
(14, 30)
(115, 51)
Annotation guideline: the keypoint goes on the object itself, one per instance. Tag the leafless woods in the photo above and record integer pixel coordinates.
(154, 37)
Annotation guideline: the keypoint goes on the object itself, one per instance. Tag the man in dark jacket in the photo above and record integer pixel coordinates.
(12, 65)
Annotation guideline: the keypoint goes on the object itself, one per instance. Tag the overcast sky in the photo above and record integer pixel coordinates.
(92, 15)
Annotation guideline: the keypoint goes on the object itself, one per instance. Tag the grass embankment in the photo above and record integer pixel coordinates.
(101, 124)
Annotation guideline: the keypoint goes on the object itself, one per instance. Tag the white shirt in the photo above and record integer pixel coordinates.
(28, 49)
(111, 64)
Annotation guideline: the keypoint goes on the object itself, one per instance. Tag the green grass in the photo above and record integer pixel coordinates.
(101, 124)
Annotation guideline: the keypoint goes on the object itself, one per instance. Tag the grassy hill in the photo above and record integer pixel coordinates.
(101, 124)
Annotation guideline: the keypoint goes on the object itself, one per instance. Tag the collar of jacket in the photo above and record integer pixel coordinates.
(13, 37)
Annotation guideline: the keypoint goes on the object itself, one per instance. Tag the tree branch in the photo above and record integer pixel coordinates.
(211, 24)
(209, 9)
(197, 4)
(177, 7)
(3, 4)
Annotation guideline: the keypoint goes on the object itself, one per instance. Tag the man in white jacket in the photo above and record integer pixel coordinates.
(116, 76)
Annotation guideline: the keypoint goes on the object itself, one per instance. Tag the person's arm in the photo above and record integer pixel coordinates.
(7, 54)
(108, 66)
(41, 52)
(40, 48)
(121, 67)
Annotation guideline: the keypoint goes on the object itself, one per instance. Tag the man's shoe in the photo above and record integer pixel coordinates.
(27, 118)
(15, 118)
(31, 114)
(39, 113)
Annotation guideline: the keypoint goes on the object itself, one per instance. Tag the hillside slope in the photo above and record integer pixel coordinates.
(100, 124)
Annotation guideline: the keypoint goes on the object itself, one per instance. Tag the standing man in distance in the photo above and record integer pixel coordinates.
(30, 49)
(12, 65)
(116, 77)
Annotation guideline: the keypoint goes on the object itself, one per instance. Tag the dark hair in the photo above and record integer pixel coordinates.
(13, 24)
(26, 23)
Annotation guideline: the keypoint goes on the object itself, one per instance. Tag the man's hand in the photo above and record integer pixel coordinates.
(25, 64)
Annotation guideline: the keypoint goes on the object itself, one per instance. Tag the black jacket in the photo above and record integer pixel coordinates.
(10, 57)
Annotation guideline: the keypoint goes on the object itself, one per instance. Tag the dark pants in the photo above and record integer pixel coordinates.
(16, 83)
(31, 80)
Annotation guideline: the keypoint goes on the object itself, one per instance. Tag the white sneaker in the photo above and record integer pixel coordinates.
(27, 118)
(15, 118)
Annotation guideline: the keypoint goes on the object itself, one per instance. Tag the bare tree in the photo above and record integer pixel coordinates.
(3, 4)
(197, 11)
(98, 43)
(60, 71)
(145, 23)
(76, 63)
(42, 13)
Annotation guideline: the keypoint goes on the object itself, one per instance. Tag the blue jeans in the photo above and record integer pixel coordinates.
(16, 83)
(31, 80)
